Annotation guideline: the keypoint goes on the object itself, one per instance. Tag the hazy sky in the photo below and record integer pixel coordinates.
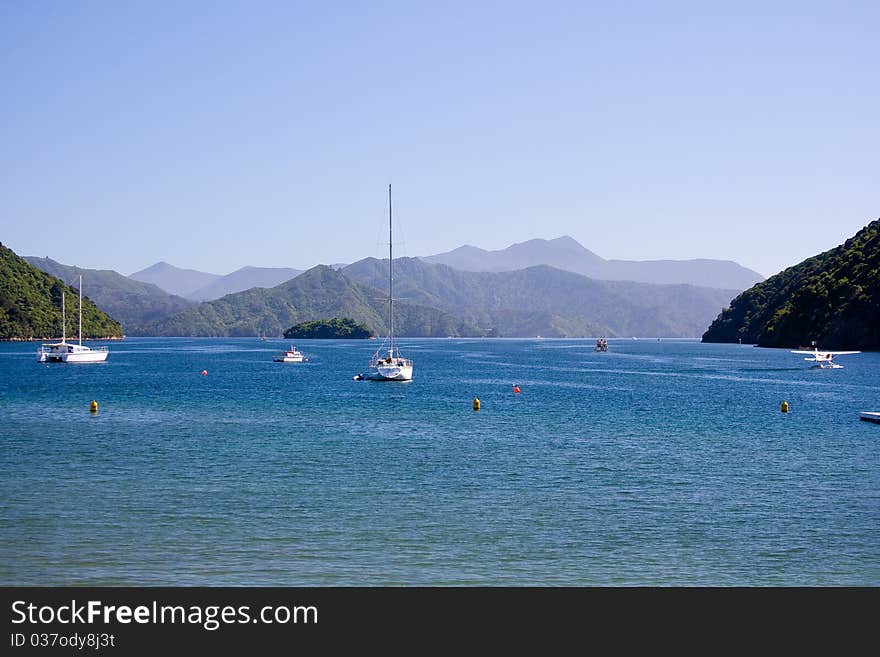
(216, 134)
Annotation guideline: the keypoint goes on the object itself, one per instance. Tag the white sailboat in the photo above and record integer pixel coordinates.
(66, 352)
(390, 367)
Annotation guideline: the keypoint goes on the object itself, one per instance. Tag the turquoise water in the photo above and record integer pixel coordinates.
(656, 463)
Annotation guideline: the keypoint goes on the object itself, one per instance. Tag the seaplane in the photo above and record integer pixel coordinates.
(824, 359)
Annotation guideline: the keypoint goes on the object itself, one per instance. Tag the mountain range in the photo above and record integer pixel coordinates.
(543, 300)
(174, 280)
(561, 253)
(130, 302)
(832, 298)
(568, 254)
(434, 299)
(201, 286)
(319, 293)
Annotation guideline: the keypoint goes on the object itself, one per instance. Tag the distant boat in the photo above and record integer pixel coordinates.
(392, 367)
(66, 352)
(869, 416)
(289, 356)
(601, 344)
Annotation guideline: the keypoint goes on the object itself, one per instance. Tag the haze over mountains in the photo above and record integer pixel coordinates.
(244, 279)
(174, 280)
(202, 286)
(130, 302)
(437, 301)
(543, 300)
(318, 293)
(562, 253)
(533, 288)
(568, 254)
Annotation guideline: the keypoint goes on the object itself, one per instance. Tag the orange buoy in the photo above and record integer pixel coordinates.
(204, 372)
(515, 389)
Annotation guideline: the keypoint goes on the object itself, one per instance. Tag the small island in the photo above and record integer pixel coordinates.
(334, 329)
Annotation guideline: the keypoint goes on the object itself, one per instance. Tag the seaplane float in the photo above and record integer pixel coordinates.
(824, 359)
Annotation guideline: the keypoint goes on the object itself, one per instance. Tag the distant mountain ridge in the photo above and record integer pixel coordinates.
(543, 300)
(568, 254)
(132, 303)
(244, 279)
(31, 300)
(436, 300)
(563, 253)
(201, 286)
(174, 280)
(832, 298)
(316, 294)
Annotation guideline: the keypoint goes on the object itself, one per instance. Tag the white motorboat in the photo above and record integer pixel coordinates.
(390, 365)
(67, 352)
(290, 356)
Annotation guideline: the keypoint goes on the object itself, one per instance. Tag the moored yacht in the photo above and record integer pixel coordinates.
(66, 352)
(391, 366)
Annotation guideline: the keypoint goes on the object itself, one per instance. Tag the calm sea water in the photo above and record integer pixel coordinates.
(656, 463)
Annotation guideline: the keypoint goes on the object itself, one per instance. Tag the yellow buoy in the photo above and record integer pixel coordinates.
(784, 407)
(93, 407)
(476, 404)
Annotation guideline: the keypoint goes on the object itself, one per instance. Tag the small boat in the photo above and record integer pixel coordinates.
(601, 344)
(66, 352)
(869, 416)
(392, 367)
(289, 356)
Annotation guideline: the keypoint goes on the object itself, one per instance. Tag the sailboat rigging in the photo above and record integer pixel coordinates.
(65, 352)
(392, 367)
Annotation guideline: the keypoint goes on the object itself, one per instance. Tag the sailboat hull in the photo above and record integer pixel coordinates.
(64, 352)
(91, 356)
(391, 373)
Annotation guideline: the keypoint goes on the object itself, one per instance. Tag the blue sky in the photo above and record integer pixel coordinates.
(215, 135)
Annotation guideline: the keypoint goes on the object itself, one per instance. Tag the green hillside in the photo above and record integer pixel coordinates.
(133, 303)
(318, 293)
(832, 298)
(30, 304)
(335, 328)
(550, 302)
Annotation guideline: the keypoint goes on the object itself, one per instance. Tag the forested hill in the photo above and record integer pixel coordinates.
(132, 303)
(30, 304)
(546, 301)
(832, 298)
(319, 293)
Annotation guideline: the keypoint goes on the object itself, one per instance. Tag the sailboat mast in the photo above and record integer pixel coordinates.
(390, 278)
(80, 309)
(63, 320)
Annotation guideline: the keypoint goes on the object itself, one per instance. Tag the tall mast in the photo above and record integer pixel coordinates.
(80, 309)
(63, 319)
(390, 278)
